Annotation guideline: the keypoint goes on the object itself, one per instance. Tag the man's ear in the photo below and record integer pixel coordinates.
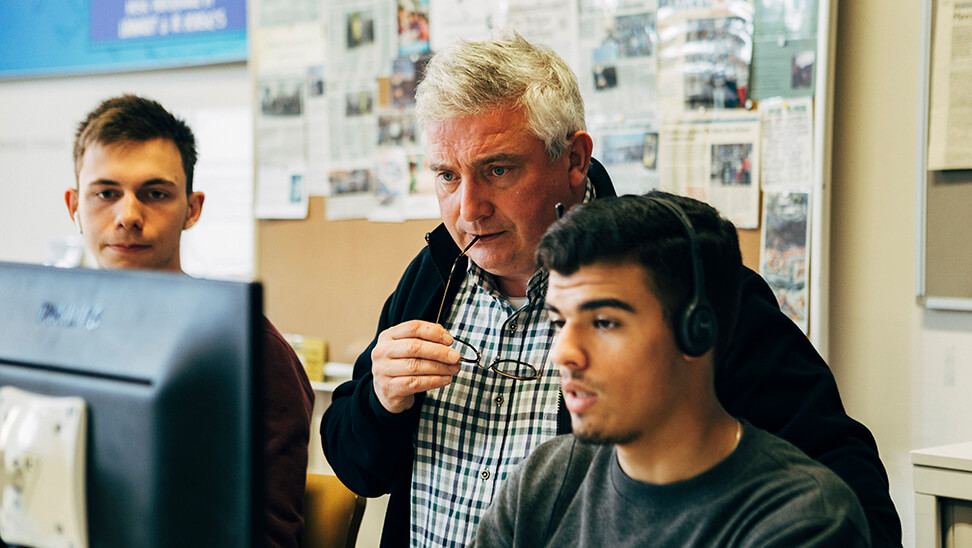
(195, 209)
(71, 200)
(579, 149)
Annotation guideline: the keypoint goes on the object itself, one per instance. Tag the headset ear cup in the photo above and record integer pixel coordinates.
(697, 326)
(698, 329)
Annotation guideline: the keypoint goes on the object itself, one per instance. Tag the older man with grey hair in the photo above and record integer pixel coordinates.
(454, 390)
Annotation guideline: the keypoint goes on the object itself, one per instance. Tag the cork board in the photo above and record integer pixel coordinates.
(948, 238)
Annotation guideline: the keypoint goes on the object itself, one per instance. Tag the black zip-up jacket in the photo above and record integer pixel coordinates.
(770, 375)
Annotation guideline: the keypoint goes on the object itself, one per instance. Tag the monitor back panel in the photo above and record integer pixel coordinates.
(165, 364)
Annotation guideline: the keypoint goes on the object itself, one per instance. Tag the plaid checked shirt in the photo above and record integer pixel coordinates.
(473, 432)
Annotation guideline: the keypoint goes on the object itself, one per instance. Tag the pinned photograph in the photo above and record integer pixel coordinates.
(649, 153)
(405, 76)
(623, 147)
(397, 130)
(632, 35)
(716, 63)
(732, 164)
(413, 26)
(360, 29)
(783, 260)
(315, 81)
(603, 63)
(281, 98)
(801, 70)
(359, 103)
(355, 181)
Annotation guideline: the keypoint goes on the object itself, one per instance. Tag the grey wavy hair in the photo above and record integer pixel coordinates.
(470, 78)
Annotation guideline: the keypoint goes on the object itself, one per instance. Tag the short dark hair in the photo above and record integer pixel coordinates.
(641, 230)
(133, 118)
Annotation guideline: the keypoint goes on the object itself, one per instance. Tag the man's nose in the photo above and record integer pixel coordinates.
(130, 214)
(566, 351)
(475, 201)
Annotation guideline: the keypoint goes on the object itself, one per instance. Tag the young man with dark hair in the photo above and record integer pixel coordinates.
(643, 293)
(507, 141)
(133, 161)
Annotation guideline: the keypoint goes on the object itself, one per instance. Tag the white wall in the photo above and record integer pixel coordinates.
(38, 119)
(904, 372)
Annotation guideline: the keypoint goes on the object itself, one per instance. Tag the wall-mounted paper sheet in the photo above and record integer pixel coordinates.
(714, 158)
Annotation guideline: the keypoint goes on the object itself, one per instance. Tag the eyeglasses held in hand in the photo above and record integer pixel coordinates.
(468, 354)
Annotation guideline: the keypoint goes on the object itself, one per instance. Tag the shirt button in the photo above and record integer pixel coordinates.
(513, 327)
(484, 474)
(499, 400)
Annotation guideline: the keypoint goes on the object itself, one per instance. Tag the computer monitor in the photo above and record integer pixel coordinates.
(165, 366)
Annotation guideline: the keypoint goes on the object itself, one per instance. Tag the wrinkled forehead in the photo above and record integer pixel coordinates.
(500, 132)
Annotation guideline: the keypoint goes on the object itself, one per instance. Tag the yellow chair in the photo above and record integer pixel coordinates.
(332, 513)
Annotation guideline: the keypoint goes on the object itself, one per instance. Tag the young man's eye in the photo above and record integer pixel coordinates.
(604, 323)
(106, 194)
(158, 194)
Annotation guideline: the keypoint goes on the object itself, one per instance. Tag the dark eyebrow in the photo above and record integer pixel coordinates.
(595, 304)
(607, 303)
(150, 182)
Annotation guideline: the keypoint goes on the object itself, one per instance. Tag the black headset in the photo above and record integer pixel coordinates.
(695, 326)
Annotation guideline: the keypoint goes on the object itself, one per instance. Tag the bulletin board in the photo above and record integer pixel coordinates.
(339, 159)
(944, 263)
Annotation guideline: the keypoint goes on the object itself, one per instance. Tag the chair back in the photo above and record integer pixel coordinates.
(332, 513)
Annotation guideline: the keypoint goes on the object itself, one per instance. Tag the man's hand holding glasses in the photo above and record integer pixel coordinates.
(412, 357)
(415, 356)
